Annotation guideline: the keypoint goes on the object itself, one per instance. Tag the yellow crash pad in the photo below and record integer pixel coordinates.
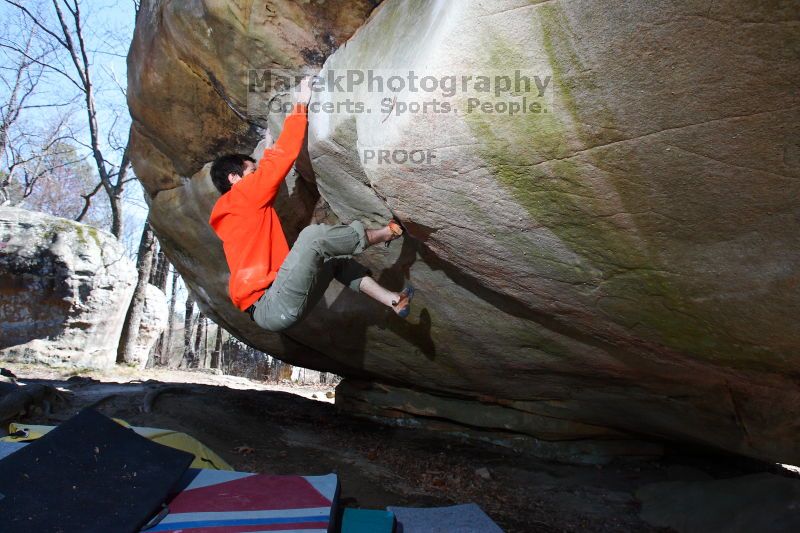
(204, 457)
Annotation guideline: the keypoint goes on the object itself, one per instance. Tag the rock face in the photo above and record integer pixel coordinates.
(621, 266)
(65, 290)
(154, 322)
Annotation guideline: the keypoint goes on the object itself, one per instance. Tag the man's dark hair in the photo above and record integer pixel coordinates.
(228, 164)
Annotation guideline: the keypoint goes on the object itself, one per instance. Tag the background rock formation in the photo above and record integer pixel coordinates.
(154, 322)
(623, 266)
(65, 289)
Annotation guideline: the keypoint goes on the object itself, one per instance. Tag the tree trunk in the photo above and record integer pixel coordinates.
(188, 356)
(154, 273)
(116, 217)
(216, 355)
(130, 329)
(206, 353)
(166, 349)
(152, 357)
(162, 270)
(154, 265)
(159, 279)
(199, 349)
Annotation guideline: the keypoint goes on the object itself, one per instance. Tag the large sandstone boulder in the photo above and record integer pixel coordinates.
(622, 266)
(65, 290)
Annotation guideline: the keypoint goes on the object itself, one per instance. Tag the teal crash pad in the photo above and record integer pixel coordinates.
(367, 521)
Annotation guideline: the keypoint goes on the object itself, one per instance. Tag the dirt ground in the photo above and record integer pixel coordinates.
(288, 429)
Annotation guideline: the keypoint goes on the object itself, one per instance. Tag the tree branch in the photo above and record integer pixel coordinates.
(43, 64)
(69, 45)
(37, 22)
(88, 201)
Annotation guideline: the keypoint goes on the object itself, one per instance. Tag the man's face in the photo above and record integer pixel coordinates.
(249, 168)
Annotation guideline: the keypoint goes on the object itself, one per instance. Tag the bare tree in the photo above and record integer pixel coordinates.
(167, 345)
(20, 78)
(68, 34)
(188, 355)
(216, 355)
(51, 184)
(133, 319)
(31, 156)
(154, 263)
(147, 269)
(158, 276)
(199, 344)
(206, 353)
(26, 74)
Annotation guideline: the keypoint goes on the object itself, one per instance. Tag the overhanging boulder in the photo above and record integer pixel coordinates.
(625, 261)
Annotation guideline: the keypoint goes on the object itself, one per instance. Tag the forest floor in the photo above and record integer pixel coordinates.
(292, 429)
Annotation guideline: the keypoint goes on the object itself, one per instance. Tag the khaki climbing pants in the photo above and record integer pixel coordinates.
(321, 253)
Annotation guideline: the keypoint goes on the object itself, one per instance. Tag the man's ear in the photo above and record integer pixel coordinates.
(231, 177)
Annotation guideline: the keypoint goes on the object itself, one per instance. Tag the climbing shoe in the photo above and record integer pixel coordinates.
(402, 306)
(396, 230)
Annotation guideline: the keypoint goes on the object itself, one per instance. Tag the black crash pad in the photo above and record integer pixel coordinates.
(87, 475)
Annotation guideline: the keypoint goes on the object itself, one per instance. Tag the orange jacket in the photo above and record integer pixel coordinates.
(246, 222)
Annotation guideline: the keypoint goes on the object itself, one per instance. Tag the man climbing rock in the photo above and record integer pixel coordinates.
(277, 286)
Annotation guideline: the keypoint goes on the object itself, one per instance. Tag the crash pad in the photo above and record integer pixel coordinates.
(7, 448)
(367, 521)
(204, 457)
(465, 518)
(217, 501)
(87, 475)
(755, 502)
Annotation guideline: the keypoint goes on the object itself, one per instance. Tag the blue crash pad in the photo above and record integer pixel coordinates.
(466, 518)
